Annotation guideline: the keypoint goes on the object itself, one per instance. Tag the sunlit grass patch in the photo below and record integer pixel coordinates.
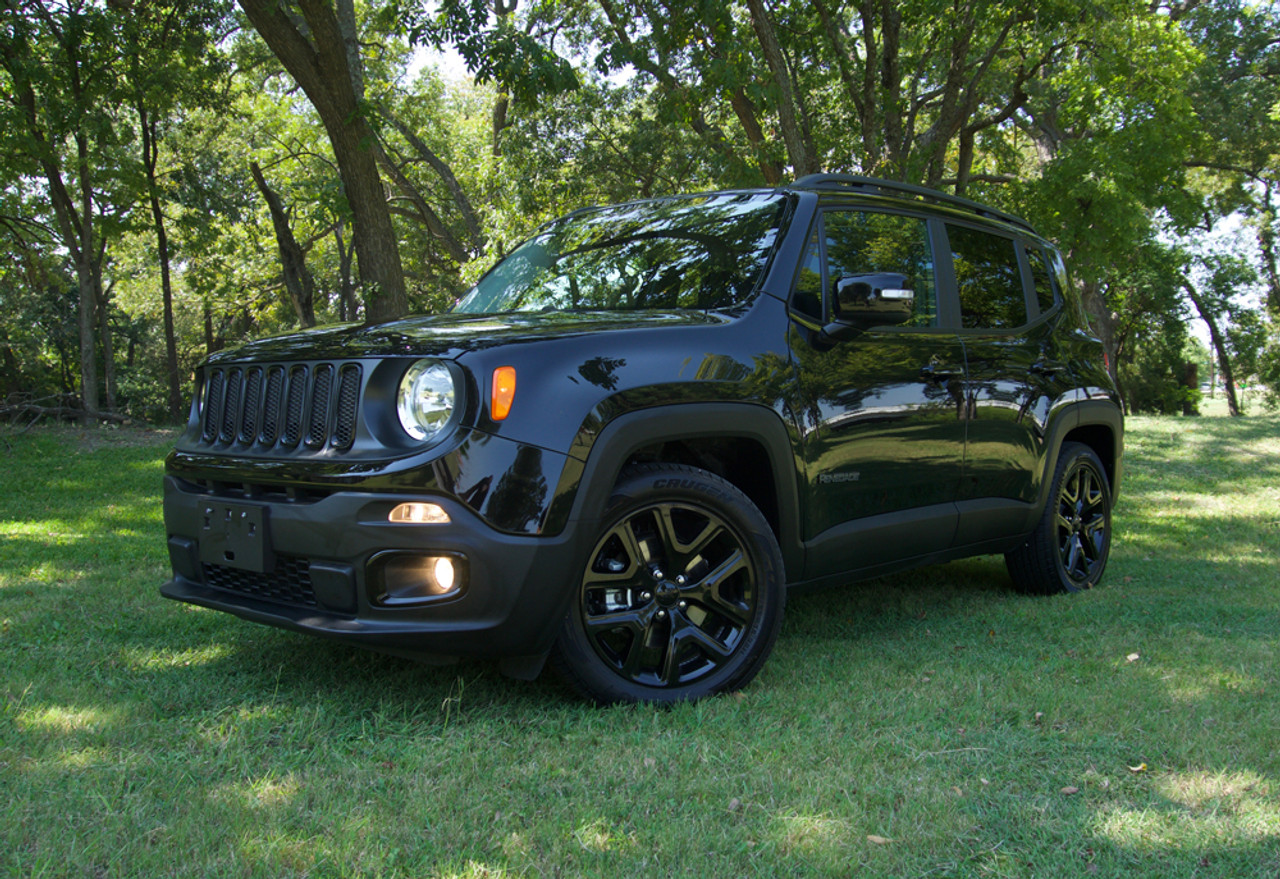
(1198, 809)
(926, 724)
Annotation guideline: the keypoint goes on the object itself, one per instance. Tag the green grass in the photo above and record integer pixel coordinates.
(928, 724)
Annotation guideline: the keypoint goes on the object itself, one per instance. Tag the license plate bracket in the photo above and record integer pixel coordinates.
(235, 535)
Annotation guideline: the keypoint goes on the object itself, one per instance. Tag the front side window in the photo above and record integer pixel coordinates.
(885, 255)
(988, 279)
(698, 252)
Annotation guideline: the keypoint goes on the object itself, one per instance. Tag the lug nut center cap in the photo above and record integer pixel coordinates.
(667, 593)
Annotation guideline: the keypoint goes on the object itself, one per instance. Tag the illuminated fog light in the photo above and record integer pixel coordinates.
(399, 578)
(442, 570)
(419, 514)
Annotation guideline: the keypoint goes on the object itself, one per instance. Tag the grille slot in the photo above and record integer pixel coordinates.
(252, 400)
(231, 408)
(317, 425)
(271, 405)
(268, 407)
(344, 431)
(293, 411)
(213, 405)
(289, 583)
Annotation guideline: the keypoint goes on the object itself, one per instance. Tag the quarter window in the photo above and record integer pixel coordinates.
(988, 279)
(808, 297)
(1040, 277)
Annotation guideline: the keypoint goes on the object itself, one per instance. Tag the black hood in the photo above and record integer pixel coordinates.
(449, 336)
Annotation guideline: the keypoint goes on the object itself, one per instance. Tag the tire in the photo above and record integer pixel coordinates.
(681, 597)
(1067, 551)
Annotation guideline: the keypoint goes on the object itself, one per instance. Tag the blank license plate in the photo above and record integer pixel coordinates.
(235, 535)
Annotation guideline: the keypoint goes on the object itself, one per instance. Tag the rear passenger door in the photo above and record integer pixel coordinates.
(1016, 376)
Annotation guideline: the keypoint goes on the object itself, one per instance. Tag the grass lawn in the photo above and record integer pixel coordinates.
(927, 724)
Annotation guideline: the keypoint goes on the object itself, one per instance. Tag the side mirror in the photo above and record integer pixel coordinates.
(874, 299)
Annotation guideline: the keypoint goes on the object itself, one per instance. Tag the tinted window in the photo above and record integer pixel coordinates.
(1040, 278)
(988, 278)
(696, 252)
(886, 251)
(808, 296)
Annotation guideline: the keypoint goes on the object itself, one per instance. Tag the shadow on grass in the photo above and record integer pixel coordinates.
(935, 709)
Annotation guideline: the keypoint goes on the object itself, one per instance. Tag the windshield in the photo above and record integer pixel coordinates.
(700, 252)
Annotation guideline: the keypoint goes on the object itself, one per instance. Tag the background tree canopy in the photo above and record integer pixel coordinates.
(179, 176)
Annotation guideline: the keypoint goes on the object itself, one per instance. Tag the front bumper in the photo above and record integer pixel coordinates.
(315, 569)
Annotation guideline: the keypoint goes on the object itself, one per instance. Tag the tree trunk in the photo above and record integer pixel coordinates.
(1267, 242)
(330, 77)
(293, 262)
(798, 152)
(748, 115)
(211, 344)
(347, 305)
(85, 276)
(150, 156)
(106, 338)
(1104, 326)
(1219, 346)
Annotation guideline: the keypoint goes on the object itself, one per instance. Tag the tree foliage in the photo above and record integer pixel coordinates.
(197, 177)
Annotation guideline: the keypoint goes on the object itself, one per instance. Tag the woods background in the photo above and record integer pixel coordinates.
(181, 176)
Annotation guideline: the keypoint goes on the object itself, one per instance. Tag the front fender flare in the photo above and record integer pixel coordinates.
(583, 494)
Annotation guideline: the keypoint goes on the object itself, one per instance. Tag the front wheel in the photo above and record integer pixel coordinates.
(1068, 550)
(681, 596)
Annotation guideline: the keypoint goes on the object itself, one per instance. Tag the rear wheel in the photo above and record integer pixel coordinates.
(681, 596)
(1068, 550)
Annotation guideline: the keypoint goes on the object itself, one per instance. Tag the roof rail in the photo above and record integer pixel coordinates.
(867, 184)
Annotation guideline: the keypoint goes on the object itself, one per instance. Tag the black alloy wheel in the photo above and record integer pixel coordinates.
(681, 595)
(1068, 550)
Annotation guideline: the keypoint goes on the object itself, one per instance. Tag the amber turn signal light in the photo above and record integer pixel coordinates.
(502, 393)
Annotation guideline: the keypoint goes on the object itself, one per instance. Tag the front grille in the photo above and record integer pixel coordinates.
(289, 583)
(271, 407)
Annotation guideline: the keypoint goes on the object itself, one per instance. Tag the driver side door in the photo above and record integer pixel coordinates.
(883, 427)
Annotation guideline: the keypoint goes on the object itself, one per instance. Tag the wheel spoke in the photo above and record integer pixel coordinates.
(635, 652)
(684, 635)
(710, 590)
(1072, 555)
(1071, 490)
(636, 551)
(603, 623)
(670, 672)
(682, 553)
(715, 650)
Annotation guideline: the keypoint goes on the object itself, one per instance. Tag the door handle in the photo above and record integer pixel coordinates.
(1045, 368)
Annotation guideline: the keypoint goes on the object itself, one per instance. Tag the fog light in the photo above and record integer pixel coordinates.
(398, 578)
(442, 571)
(419, 514)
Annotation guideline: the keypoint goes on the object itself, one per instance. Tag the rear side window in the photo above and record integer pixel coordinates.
(988, 279)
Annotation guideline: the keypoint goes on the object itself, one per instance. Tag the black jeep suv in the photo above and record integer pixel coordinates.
(636, 432)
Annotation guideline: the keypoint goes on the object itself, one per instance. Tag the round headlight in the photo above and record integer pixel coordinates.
(425, 399)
